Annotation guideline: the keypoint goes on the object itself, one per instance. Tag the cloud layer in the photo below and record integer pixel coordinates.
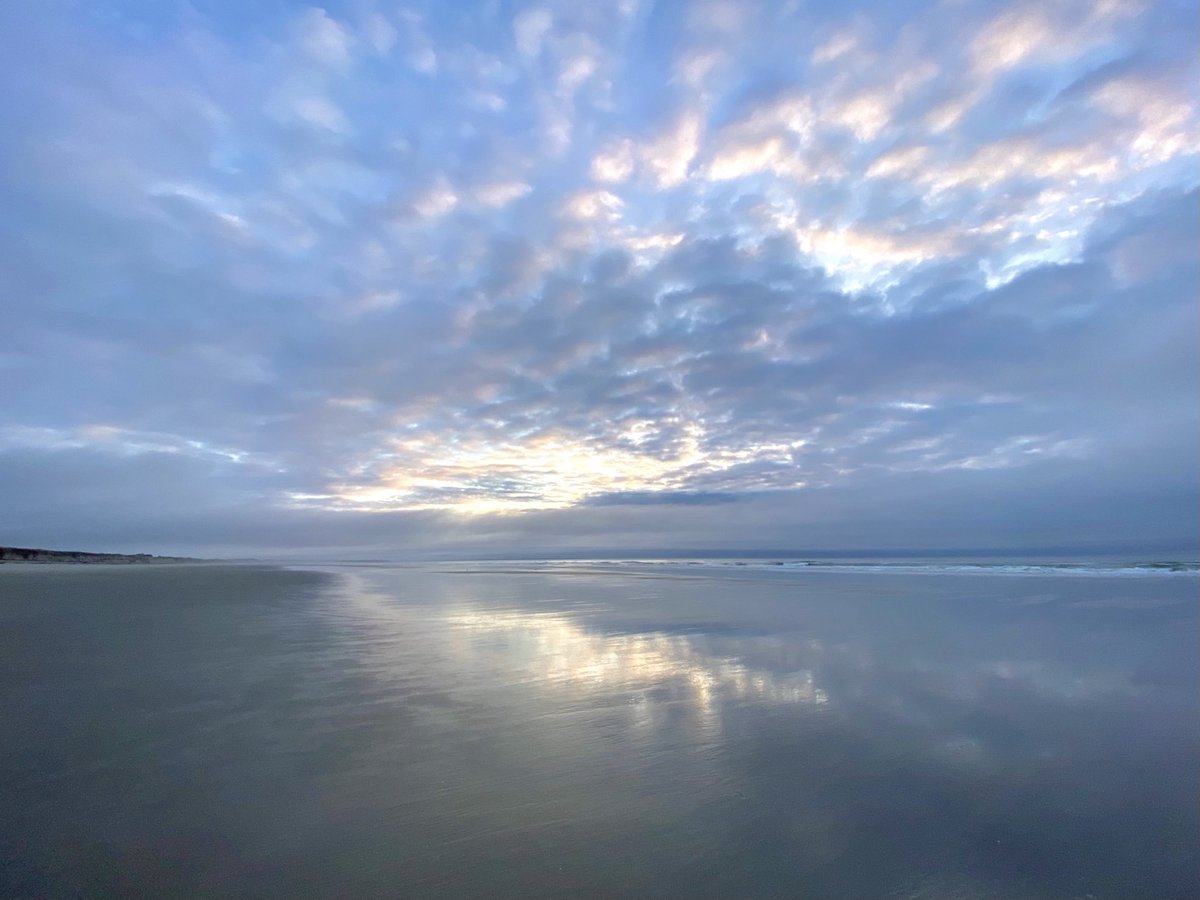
(707, 275)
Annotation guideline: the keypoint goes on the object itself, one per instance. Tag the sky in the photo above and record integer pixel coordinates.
(383, 279)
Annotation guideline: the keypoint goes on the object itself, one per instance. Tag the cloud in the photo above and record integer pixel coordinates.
(668, 156)
(866, 114)
(1163, 121)
(501, 193)
(696, 66)
(319, 111)
(380, 33)
(323, 38)
(436, 201)
(594, 205)
(420, 50)
(614, 163)
(530, 28)
(769, 137)
(661, 498)
(301, 277)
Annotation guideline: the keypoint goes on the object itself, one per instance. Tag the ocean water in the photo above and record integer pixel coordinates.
(621, 729)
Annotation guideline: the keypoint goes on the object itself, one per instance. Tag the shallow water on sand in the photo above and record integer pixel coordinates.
(501, 731)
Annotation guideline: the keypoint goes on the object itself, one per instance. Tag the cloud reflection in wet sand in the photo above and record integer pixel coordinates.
(787, 725)
(560, 652)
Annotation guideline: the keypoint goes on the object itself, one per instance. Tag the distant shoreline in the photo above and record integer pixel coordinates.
(79, 557)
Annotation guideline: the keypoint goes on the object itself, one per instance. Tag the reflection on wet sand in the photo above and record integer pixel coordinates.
(783, 726)
(558, 651)
(403, 731)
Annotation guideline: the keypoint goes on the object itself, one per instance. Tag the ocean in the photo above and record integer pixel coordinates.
(626, 728)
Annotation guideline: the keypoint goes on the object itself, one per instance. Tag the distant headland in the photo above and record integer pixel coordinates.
(34, 555)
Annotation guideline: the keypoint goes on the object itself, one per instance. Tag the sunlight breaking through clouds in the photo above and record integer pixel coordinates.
(548, 472)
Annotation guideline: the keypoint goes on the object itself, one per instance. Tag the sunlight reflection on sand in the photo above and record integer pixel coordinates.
(560, 652)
